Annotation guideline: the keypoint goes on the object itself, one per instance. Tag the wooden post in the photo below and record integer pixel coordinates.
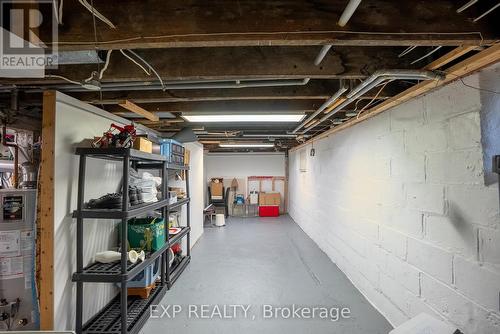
(46, 217)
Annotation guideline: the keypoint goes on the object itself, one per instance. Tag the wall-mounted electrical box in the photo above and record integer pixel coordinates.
(18, 300)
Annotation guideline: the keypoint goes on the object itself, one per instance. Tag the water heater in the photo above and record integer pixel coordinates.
(18, 299)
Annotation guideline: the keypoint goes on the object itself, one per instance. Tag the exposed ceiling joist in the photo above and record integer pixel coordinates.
(160, 24)
(139, 111)
(243, 63)
(225, 106)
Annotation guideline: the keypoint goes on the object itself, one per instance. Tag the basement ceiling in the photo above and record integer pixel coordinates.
(243, 57)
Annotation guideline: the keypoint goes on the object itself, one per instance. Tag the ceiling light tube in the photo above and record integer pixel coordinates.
(242, 145)
(257, 117)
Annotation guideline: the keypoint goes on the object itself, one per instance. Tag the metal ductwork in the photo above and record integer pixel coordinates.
(120, 86)
(371, 82)
(321, 108)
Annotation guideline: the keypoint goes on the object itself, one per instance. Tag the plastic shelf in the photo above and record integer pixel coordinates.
(112, 272)
(176, 272)
(119, 153)
(108, 320)
(133, 211)
(175, 238)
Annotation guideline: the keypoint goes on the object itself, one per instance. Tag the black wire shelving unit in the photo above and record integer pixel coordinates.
(126, 314)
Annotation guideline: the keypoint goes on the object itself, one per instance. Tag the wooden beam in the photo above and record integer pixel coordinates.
(130, 106)
(466, 67)
(46, 205)
(314, 90)
(201, 23)
(449, 57)
(226, 106)
(231, 64)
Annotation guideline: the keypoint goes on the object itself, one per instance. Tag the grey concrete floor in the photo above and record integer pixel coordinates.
(262, 261)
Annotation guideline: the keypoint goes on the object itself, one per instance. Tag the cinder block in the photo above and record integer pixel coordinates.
(395, 292)
(407, 115)
(427, 138)
(474, 204)
(458, 309)
(465, 131)
(391, 144)
(409, 167)
(387, 193)
(489, 246)
(407, 221)
(404, 274)
(457, 167)
(393, 241)
(477, 282)
(431, 260)
(451, 100)
(425, 197)
(453, 234)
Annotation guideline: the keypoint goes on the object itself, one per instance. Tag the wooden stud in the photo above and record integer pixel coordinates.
(46, 204)
(139, 111)
(450, 56)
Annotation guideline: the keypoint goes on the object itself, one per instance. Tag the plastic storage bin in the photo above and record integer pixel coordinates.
(147, 277)
(173, 150)
(269, 211)
(146, 233)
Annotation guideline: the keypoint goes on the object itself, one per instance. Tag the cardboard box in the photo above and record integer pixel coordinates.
(143, 144)
(216, 187)
(187, 155)
(269, 198)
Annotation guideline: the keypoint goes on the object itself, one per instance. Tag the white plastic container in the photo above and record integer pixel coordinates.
(220, 220)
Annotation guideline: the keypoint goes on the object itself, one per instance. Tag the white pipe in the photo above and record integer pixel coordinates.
(374, 80)
(328, 102)
(487, 12)
(322, 54)
(348, 11)
(426, 55)
(467, 5)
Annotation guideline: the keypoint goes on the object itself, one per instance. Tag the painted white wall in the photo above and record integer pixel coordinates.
(75, 121)
(399, 203)
(241, 165)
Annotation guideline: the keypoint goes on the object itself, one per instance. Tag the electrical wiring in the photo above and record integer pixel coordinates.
(373, 99)
(150, 67)
(96, 13)
(106, 64)
(291, 33)
(63, 78)
(60, 11)
(135, 62)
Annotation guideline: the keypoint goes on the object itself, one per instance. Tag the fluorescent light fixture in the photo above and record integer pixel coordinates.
(239, 145)
(244, 117)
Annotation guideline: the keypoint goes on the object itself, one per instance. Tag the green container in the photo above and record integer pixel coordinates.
(146, 233)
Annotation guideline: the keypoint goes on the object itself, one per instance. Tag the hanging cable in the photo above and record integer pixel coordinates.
(64, 78)
(426, 55)
(135, 62)
(150, 67)
(373, 99)
(106, 64)
(95, 13)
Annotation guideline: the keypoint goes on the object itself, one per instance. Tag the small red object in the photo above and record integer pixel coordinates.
(269, 211)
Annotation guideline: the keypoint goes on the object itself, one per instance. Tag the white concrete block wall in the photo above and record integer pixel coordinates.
(400, 204)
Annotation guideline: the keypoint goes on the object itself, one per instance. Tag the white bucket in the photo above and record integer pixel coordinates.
(220, 219)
